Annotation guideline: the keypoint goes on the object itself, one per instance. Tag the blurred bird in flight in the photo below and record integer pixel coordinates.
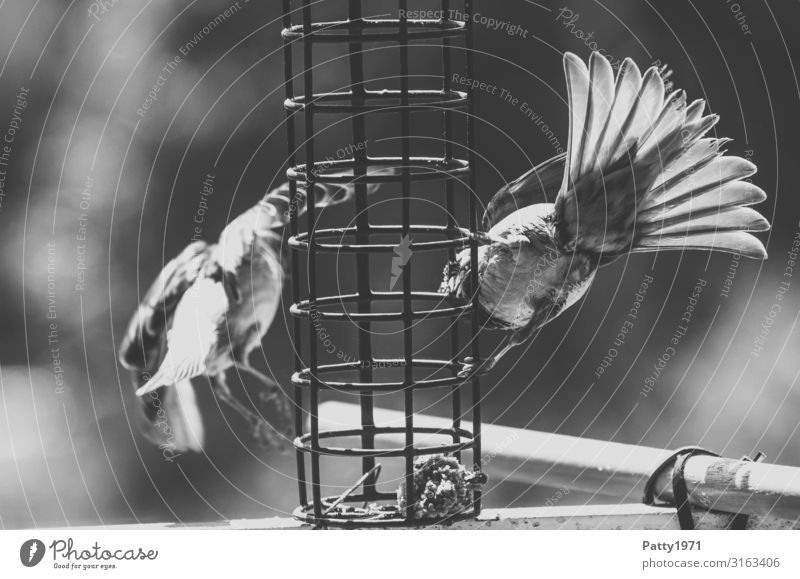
(206, 312)
(639, 175)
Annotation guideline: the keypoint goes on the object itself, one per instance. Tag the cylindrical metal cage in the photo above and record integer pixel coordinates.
(311, 378)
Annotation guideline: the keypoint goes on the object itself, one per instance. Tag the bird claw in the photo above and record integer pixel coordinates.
(266, 436)
(473, 370)
(267, 397)
(263, 435)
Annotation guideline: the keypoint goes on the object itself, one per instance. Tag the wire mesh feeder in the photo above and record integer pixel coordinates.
(372, 506)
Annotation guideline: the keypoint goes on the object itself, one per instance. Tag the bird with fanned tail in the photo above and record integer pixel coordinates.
(640, 174)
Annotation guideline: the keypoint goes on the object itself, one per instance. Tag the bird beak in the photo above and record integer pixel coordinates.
(484, 238)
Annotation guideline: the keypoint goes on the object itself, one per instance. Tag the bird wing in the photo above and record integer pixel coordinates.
(193, 337)
(539, 185)
(145, 336)
(640, 175)
(143, 347)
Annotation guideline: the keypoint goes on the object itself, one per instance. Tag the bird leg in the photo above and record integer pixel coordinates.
(260, 429)
(509, 343)
(274, 395)
(472, 369)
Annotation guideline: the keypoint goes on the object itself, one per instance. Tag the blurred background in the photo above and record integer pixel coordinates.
(113, 115)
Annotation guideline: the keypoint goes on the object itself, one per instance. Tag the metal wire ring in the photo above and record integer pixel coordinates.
(462, 440)
(374, 30)
(303, 377)
(300, 241)
(378, 101)
(361, 517)
(304, 308)
(342, 171)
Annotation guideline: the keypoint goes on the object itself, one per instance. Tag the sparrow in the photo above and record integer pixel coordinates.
(639, 174)
(206, 312)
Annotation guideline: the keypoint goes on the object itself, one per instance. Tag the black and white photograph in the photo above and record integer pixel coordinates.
(445, 266)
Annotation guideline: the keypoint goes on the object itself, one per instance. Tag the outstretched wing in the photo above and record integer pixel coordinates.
(143, 348)
(539, 185)
(640, 174)
(143, 344)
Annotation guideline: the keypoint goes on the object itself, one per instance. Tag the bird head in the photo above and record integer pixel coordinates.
(456, 278)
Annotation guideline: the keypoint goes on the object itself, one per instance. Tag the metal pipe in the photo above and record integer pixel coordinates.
(611, 469)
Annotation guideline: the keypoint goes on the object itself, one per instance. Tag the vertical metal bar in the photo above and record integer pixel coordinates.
(473, 225)
(297, 335)
(308, 88)
(408, 340)
(362, 236)
(447, 134)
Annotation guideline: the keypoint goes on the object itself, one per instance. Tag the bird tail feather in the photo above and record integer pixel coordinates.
(644, 175)
(171, 418)
(158, 380)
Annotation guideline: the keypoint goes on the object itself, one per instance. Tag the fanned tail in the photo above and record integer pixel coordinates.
(640, 173)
